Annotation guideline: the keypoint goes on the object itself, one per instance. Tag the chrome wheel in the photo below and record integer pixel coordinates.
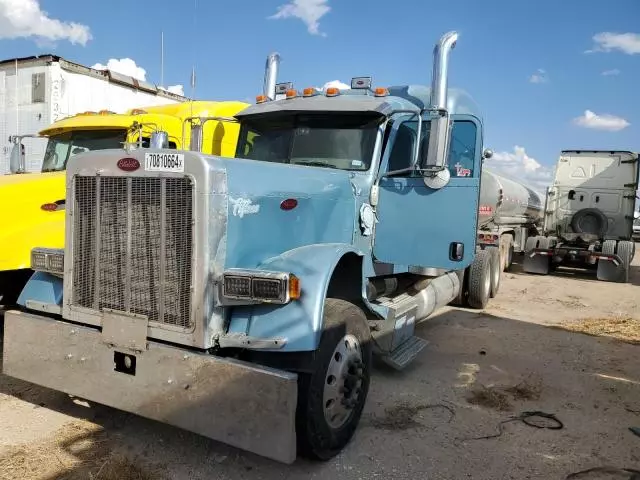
(343, 381)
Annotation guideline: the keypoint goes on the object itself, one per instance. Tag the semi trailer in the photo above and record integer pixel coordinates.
(589, 215)
(509, 212)
(243, 299)
(37, 91)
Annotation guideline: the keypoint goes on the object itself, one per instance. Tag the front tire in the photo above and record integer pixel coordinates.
(332, 397)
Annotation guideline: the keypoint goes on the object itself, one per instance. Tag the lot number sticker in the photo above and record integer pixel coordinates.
(164, 162)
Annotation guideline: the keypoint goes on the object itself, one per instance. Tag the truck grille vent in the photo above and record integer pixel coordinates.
(132, 239)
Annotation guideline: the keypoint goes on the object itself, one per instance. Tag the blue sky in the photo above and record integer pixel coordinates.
(536, 68)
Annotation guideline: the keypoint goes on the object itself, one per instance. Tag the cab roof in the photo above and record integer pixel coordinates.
(413, 98)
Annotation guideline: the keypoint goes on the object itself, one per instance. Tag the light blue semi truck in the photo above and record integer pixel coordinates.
(243, 299)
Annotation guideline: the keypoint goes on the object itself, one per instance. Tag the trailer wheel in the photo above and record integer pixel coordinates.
(496, 270)
(532, 242)
(332, 397)
(508, 261)
(480, 280)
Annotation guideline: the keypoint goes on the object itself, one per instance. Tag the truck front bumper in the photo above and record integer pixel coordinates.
(245, 405)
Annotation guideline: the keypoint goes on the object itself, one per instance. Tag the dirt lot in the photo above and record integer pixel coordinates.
(480, 369)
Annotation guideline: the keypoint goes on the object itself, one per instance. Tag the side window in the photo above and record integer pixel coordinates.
(403, 147)
(462, 151)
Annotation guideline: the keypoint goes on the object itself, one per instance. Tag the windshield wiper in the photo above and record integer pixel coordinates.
(315, 164)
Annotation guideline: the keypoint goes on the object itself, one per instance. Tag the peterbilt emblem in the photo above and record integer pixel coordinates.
(128, 164)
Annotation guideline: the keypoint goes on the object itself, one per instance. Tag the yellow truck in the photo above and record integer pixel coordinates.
(32, 204)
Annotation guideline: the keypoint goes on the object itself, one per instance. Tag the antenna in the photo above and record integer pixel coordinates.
(162, 59)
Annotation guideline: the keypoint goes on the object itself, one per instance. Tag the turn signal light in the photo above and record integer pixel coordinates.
(294, 287)
(49, 207)
(332, 92)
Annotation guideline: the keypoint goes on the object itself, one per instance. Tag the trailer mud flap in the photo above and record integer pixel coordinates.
(537, 262)
(238, 403)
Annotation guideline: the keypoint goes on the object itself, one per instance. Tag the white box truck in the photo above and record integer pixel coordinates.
(36, 91)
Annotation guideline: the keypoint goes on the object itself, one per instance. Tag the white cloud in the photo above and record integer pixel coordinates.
(309, 11)
(604, 121)
(539, 77)
(628, 43)
(519, 166)
(613, 71)
(124, 66)
(177, 89)
(337, 84)
(24, 18)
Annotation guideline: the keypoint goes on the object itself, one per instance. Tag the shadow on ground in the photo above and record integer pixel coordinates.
(478, 370)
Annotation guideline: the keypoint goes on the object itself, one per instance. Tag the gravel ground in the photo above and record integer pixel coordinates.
(481, 368)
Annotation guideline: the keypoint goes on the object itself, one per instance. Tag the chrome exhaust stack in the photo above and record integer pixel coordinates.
(440, 74)
(437, 174)
(271, 75)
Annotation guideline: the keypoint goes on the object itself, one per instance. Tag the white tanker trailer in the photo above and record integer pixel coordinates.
(508, 213)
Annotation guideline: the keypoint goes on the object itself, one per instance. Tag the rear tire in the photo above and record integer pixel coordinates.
(480, 280)
(510, 251)
(332, 397)
(496, 270)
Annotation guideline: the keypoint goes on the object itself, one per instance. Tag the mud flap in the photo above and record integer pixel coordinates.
(607, 270)
(535, 262)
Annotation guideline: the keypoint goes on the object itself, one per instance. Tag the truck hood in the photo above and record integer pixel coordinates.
(24, 224)
(274, 208)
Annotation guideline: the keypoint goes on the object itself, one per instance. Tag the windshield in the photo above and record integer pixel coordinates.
(343, 141)
(61, 147)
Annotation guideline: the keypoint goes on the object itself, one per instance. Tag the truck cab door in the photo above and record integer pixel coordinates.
(421, 226)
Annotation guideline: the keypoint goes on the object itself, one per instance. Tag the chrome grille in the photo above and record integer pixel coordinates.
(132, 239)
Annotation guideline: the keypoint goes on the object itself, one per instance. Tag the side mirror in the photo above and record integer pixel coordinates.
(16, 163)
(439, 138)
(159, 140)
(487, 153)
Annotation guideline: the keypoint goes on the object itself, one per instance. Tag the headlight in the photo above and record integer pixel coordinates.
(50, 260)
(261, 286)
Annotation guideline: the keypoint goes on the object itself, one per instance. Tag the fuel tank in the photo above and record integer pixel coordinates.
(507, 202)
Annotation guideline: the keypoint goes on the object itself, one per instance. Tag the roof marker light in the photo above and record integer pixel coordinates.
(138, 111)
(261, 98)
(292, 93)
(309, 92)
(381, 92)
(332, 92)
